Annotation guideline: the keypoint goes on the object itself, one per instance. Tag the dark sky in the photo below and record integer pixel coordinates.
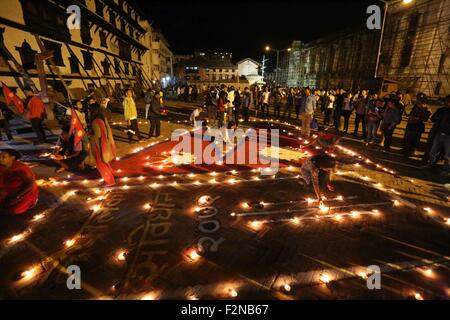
(245, 27)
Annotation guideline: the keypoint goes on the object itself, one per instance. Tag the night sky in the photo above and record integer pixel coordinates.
(245, 27)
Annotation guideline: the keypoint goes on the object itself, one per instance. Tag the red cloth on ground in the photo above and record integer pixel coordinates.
(12, 181)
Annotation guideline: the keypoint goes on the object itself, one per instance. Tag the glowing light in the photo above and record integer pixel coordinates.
(376, 212)
(245, 205)
(85, 181)
(338, 217)
(30, 273)
(428, 210)
(287, 287)
(203, 200)
(197, 183)
(323, 208)
(213, 181)
(125, 179)
(147, 206)
(149, 296)
(256, 178)
(418, 296)
(125, 187)
(295, 221)
(38, 217)
(69, 243)
(191, 175)
(256, 225)
(155, 185)
(121, 255)
(340, 198)
(427, 272)
(325, 278)
(396, 203)
(141, 178)
(233, 171)
(193, 255)
(447, 221)
(232, 181)
(355, 214)
(233, 214)
(213, 173)
(96, 208)
(310, 200)
(16, 238)
(233, 293)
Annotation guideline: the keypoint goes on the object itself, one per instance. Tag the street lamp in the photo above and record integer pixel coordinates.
(268, 48)
(380, 42)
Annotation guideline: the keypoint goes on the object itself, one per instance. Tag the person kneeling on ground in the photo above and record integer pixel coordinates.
(67, 154)
(317, 170)
(18, 189)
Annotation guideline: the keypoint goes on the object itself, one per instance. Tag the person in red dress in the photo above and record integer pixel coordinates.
(18, 189)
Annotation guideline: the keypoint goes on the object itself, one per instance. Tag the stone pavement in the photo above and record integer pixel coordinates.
(232, 235)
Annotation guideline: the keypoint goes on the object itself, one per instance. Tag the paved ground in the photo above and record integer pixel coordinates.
(255, 236)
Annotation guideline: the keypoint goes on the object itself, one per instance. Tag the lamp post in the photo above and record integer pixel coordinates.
(268, 48)
(380, 42)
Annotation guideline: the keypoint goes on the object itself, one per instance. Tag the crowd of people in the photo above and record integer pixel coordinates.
(375, 117)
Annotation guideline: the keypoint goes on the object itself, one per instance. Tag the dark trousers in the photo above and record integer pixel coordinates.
(264, 109)
(221, 117)
(4, 125)
(346, 114)
(237, 111)
(411, 142)
(134, 127)
(36, 124)
(246, 114)
(327, 116)
(155, 127)
(387, 136)
(441, 142)
(277, 108)
(288, 110)
(337, 119)
(360, 118)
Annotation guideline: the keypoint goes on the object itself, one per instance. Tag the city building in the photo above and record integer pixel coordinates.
(414, 53)
(209, 69)
(177, 58)
(250, 68)
(162, 68)
(111, 49)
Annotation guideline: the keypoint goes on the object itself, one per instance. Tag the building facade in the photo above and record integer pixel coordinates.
(162, 68)
(111, 49)
(414, 52)
(416, 46)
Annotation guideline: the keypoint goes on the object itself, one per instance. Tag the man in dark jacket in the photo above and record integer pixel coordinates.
(154, 114)
(246, 103)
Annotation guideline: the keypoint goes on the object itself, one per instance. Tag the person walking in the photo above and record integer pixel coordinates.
(148, 95)
(237, 106)
(130, 114)
(347, 110)
(373, 119)
(246, 103)
(338, 106)
(211, 106)
(309, 108)
(441, 119)
(289, 104)
(419, 114)
(391, 118)
(265, 102)
(154, 116)
(35, 112)
(361, 109)
(277, 101)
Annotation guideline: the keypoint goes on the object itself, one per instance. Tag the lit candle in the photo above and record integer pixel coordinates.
(287, 287)
(147, 206)
(233, 293)
(38, 217)
(325, 278)
(69, 243)
(121, 255)
(17, 238)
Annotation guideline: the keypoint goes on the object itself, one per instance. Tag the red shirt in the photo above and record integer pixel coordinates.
(12, 181)
(220, 105)
(35, 108)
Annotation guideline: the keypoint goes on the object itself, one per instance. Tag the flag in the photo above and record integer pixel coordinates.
(12, 97)
(76, 127)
